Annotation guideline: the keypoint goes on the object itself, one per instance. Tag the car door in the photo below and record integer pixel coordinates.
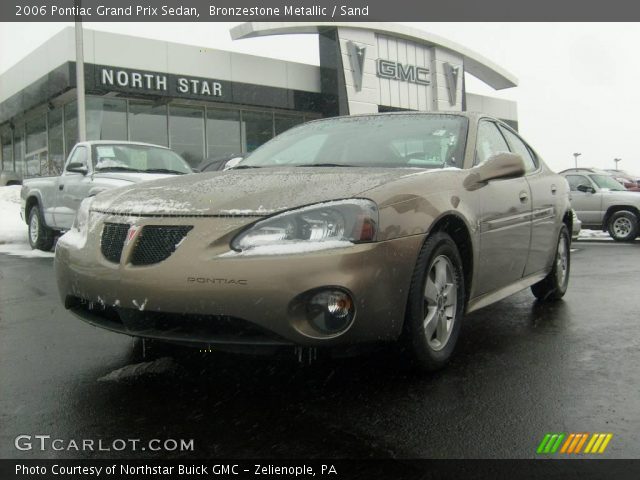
(73, 187)
(544, 201)
(504, 220)
(588, 205)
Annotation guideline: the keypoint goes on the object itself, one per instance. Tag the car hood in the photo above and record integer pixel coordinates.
(630, 194)
(255, 192)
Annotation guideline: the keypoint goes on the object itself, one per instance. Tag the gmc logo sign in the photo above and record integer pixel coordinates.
(405, 73)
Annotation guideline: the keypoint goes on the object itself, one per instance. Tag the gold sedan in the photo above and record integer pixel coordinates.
(339, 232)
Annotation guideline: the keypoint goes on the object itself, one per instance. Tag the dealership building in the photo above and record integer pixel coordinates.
(206, 103)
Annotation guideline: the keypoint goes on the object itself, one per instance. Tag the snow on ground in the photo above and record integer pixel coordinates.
(23, 250)
(13, 230)
(594, 235)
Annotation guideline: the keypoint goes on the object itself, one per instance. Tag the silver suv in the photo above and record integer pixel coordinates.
(603, 203)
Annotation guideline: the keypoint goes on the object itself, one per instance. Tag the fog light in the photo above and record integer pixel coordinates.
(330, 311)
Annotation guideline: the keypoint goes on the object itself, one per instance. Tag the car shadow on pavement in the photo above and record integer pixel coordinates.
(247, 406)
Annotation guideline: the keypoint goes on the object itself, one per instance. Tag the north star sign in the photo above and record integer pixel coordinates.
(151, 82)
(406, 73)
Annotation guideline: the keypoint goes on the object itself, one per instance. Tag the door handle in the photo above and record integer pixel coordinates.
(60, 187)
(553, 189)
(524, 197)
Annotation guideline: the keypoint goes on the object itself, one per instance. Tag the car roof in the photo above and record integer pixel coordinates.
(467, 114)
(586, 170)
(620, 173)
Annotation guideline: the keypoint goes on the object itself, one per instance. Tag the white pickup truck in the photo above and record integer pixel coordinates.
(49, 204)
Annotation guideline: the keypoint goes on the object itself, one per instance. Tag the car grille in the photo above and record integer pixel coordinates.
(112, 242)
(156, 243)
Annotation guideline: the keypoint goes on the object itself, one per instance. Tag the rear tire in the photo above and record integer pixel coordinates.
(436, 303)
(623, 226)
(554, 285)
(41, 237)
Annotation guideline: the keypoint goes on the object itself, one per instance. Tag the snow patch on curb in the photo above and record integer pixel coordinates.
(592, 234)
(13, 230)
(24, 250)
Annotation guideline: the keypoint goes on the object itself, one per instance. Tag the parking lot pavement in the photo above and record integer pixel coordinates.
(522, 370)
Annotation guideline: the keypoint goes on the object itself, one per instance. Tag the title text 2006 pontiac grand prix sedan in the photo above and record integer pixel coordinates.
(345, 231)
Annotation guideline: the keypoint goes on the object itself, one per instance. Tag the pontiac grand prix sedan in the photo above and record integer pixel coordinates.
(352, 230)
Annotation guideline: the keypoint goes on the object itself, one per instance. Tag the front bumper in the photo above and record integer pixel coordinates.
(204, 293)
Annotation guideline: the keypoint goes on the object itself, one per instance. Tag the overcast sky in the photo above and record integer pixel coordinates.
(578, 88)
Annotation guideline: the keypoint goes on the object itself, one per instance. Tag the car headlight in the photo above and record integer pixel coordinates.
(81, 220)
(352, 221)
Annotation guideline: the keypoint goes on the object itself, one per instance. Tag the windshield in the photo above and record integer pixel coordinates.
(137, 158)
(604, 181)
(420, 141)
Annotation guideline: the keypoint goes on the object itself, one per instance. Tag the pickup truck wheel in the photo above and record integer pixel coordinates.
(40, 236)
(623, 226)
(553, 286)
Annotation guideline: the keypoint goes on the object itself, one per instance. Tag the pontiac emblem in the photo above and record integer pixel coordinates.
(356, 59)
(132, 233)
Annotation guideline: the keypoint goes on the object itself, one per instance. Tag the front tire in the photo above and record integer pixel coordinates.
(41, 237)
(623, 226)
(554, 285)
(436, 303)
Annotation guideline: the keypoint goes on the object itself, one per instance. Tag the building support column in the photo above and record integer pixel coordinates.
(82, 123)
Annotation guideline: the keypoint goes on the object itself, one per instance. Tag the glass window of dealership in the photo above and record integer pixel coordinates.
(38, 143)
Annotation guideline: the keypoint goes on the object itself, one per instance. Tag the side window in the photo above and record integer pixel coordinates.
(519, 147)
(490, 142)
(575, 180)
(79, 156)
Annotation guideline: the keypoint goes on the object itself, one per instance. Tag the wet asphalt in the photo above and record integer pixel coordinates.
(522, 369)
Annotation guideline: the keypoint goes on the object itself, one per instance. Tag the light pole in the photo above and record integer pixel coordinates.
(616, 160)
(575, 159)
(82, 124)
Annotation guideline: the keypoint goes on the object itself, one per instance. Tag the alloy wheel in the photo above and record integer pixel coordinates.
(441, 299)
(562, 261)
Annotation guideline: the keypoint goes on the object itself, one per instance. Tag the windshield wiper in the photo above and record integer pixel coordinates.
(243, 167)
(326, 165)
(164, 170)
(118, 169)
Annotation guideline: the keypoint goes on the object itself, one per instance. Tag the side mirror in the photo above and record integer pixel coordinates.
(232, 163)
(499, 166)
(586, 188)
(77, 167)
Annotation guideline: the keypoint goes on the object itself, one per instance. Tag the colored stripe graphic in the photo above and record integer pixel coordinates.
(543, 443)
(550, 443)
(581, 443)
(598, 443)
(568, 442)
(557, 444)
(604, 445)
(573, 443)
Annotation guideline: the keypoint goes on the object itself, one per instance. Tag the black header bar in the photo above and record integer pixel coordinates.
(318, 10)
